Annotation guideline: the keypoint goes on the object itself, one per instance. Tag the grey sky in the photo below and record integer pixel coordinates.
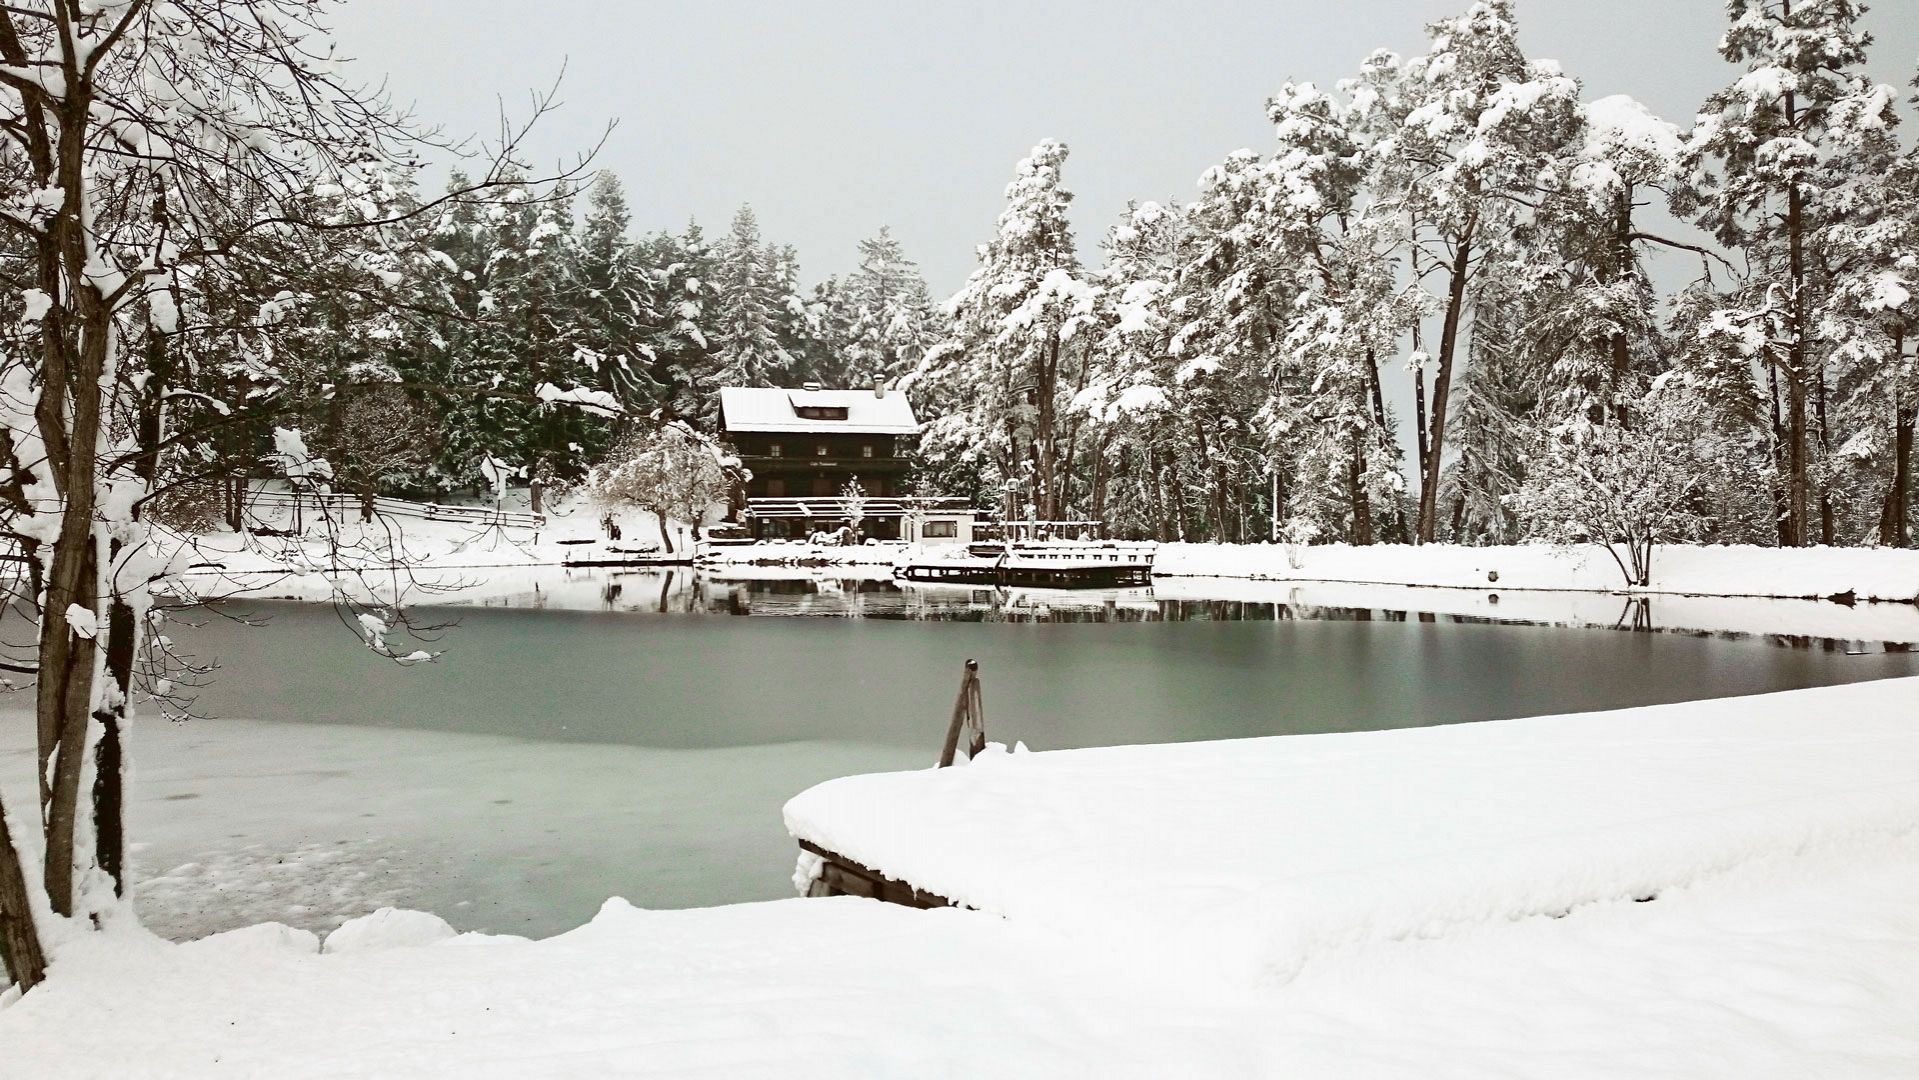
(834, 118)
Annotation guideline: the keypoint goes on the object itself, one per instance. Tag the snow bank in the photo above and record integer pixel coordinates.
(790, 989)
(1868, 573)
(388, 928)
(1788, 967)
(1247, 859)
(267, 937)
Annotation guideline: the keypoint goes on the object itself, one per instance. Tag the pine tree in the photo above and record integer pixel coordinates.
(750, 309)
(1009, 362)
(889, 314)
(1778, 156)
(1480, 123)
(615, 300)
(1345, 313)
(1128, 403)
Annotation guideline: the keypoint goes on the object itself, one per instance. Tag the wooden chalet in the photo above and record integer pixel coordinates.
(802, 446)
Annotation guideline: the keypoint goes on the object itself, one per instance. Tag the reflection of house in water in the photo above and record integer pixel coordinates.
(803, 445)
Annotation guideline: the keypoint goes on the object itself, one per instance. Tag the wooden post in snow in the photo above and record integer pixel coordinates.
(969, 716)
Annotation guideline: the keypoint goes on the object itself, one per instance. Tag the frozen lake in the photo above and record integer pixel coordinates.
(621, 734)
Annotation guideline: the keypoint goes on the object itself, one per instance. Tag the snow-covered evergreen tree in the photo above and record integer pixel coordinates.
(1009, 364)
(1479, 127)
(1128, 403)
(1778, 159)
(1346, 313)
(750, 310)
(890, 319)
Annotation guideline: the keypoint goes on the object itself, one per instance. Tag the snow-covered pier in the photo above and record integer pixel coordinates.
(1250, 858)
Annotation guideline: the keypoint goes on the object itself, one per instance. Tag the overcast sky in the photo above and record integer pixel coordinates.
(833, 119)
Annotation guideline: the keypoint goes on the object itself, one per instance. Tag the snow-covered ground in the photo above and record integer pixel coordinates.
(1247, 860)
(1783, 943)
(409, 559)
(1867, 573)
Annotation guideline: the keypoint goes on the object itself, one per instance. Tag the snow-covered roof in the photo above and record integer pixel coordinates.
(760, 408)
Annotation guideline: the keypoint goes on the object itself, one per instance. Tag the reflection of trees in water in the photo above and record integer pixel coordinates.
(680, 590)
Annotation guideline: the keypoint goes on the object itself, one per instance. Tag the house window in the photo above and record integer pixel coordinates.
(936, 530)
(820, 450)
(867, 450)
(772, 449)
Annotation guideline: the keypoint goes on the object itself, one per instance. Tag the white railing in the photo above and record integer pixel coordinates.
(833, 506)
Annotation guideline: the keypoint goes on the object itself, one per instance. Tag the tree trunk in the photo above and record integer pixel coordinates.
(65, 706)
(1781, 496)
(1356, 489)
(20, 952)
(1177, 495)
(1045, 448)
(666, 540)
(1825, 450)
(1797, 362)
(1442, 386)
(1892, 521)
(1617, 344)
(109, 775)
(1100, 481)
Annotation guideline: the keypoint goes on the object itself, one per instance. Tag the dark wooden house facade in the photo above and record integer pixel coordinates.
(806, 443)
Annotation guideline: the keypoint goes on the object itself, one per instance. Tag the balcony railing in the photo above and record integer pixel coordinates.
(833, 506)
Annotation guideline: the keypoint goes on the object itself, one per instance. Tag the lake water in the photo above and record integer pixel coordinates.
(655, 733)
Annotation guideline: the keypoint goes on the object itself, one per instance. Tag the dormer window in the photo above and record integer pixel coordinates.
(821, 412)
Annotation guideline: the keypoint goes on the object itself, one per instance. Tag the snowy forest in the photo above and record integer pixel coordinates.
(520, 321)
(1606, 325)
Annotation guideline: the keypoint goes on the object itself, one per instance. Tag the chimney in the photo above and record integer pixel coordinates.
(879, 385)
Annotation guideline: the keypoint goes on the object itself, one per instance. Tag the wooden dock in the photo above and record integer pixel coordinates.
(1040, 565)
(838, 875)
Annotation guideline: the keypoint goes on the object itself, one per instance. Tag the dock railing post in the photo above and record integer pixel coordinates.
(969, 716)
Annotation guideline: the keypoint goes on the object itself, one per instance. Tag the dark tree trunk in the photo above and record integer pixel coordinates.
(1825, 448)
(1798, 481)
(1435, 449)
(109, 795)
(1781, 493)
(64, 703)
(1893, 519)
(1356, 489)
(20, 952)
(1178, 496)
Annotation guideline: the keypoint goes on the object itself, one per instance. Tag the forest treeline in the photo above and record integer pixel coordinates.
(508, 312)
(1465, 225)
